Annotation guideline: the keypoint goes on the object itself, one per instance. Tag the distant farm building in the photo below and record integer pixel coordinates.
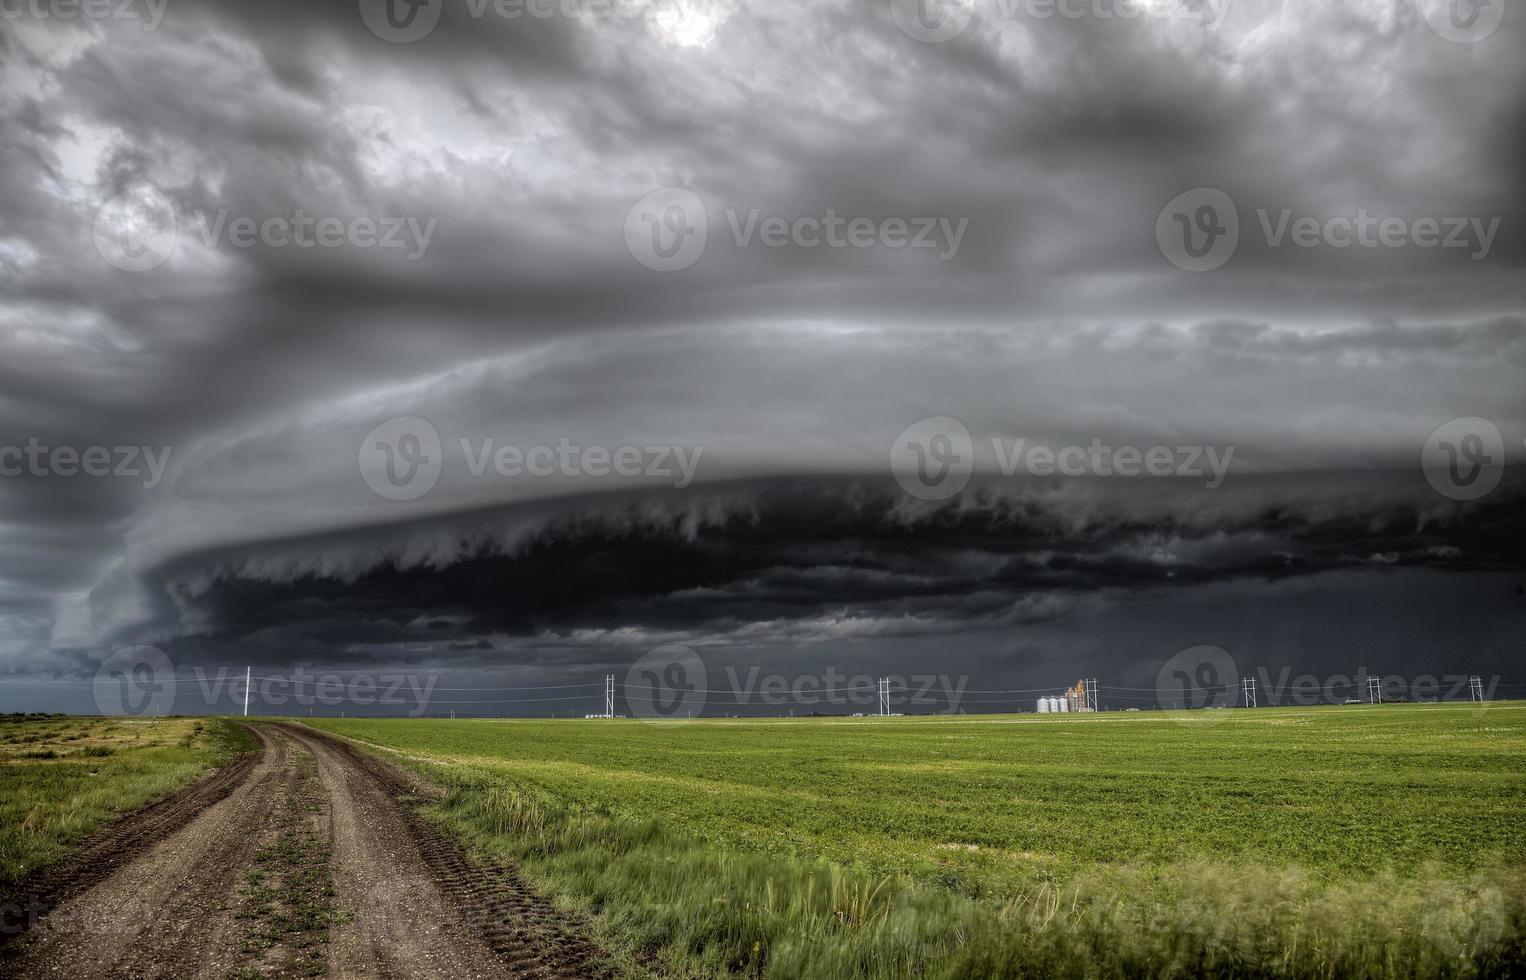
(1078, 699)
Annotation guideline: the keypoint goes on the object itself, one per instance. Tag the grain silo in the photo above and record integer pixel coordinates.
(1043, 706)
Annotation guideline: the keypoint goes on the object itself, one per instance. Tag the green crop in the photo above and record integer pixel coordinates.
(1364, 841)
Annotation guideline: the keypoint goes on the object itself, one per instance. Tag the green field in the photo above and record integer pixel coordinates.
(61, 777)
(1365, 841)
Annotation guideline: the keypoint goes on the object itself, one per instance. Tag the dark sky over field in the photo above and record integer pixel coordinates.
(1000, 422)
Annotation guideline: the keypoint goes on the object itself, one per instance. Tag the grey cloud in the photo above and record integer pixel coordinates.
(529, 141)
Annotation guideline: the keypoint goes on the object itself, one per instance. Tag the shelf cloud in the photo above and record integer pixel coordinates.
(545, 338)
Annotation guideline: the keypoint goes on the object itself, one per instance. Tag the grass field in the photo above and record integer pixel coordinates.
(1370, 841)
(61, 777)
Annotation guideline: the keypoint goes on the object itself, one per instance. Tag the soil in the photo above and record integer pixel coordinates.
(307, 858)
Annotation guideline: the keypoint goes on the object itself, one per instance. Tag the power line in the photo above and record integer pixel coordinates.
(550, 687)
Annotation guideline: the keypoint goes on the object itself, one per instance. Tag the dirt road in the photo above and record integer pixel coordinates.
(305, 859)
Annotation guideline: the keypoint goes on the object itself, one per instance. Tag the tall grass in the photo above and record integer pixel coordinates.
(680, 906)
(1272, 843)
(61, 778)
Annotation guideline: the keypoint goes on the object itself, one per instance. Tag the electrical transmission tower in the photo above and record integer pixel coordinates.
(884, 696)
(609, 695)
(1091, 695)
(1475, 689)
(1374, 690)
(1248, 689)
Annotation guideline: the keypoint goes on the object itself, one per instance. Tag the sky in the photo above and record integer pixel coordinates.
(497, 346)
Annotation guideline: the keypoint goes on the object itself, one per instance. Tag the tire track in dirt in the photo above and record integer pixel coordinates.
(422, 909)
(306, 857)
(285, 902)
(104, 852)
(164, 911)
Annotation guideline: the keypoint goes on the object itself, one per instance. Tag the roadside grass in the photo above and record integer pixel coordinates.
(696, 909)
(62, 777)
(1282, 842)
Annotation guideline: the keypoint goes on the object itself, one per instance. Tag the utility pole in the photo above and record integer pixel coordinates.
(248, 678)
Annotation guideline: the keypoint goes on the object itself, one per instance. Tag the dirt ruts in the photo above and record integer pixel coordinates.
(303, 859)
(108, 849)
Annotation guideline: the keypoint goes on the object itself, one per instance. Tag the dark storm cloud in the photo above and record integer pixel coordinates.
(528, 141)
(808, 562)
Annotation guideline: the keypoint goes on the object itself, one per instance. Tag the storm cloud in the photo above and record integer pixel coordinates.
(263, 248)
